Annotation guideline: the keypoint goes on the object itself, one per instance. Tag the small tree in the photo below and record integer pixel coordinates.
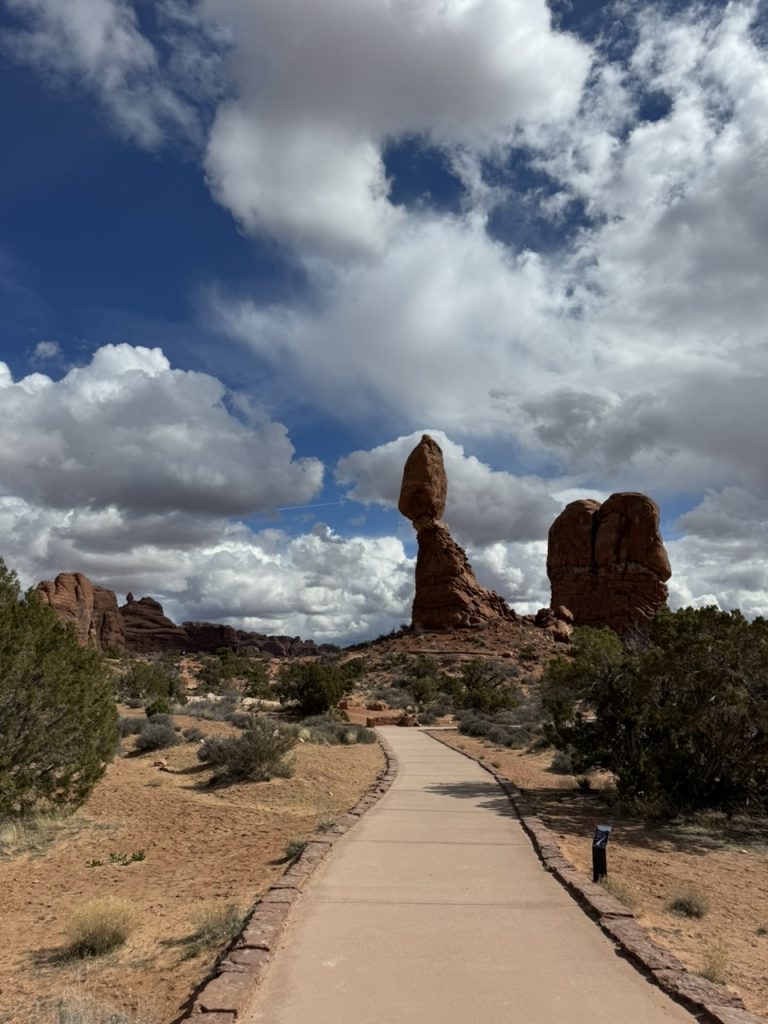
(486, 686)
(58, 720)
(314, 686)
(681, 717)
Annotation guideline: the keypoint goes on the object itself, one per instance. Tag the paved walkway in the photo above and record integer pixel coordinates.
(434, 908)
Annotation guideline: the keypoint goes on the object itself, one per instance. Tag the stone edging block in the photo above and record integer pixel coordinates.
(720, 1005)
(225, 997)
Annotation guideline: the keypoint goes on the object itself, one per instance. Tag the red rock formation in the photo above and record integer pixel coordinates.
(209, 636)
(148, 629)
(607, 563)
(447, 592)
(92, 610)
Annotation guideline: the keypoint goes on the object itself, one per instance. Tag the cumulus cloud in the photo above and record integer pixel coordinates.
(720, 557)
(426, 332)
(45, 350)
(316, 584)
(484, 506)
(129, 431)
(320, 90)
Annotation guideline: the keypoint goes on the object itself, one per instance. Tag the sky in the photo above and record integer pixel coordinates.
(250, 251)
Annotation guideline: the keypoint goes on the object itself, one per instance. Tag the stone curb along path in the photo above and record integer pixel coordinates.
(224, 998)
(719, 1004)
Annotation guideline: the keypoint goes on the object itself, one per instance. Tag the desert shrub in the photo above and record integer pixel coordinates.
(80, 1009)
(354, 668)
(130, 725)
(679, 716)
(58, 719)
(562, 763)
(150, 680)
(159, 706)
(240, 719)
(397, 698)
(689, 902)
(714, 965)
(500, 728)
(294, 848)
(214, 926)
(257, 755)
(486, 685)
(213, 710)
(101, 925)
(219, 671)
(212, 750)
(193, 735)
(323, 729)
(313, 686)
(156, 736)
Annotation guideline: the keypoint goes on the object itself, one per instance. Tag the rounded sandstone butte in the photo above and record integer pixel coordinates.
(148, 629)
(91, 610)
(425, 485)
(607, 563)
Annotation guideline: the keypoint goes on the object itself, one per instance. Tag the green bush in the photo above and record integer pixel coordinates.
(680, 717)
(257, 755)
(486, 686)
(150, 680)
(58, 719)
(159, 706)
(312, 686)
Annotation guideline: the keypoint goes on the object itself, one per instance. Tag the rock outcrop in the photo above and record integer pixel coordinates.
(447, 593)
(148, 629)
(92, 610)
(607, 563)
(209, 636)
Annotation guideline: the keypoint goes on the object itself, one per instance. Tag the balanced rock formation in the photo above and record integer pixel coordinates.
(607, 563)
(92, 610)
(447, 593)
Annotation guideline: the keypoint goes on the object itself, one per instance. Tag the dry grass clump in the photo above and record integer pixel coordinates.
(689, 902)
(616, 887)
(714, 965)
(101, 925)
(214, 926)
(76, 1008)
(34, 834)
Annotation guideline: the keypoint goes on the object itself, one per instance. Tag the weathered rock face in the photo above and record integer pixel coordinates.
(607, 563)
(425, 485)
(92, 610)
(209, 636)
(447, 593)
(148, 629)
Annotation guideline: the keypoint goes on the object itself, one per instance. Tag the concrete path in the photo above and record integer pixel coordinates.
(434, 908)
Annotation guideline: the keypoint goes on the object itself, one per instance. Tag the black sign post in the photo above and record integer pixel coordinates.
(600, 852)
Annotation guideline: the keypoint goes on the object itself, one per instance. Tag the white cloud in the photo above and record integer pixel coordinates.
(315, 585)
(98, 44)
(129, 431)
(425, 332)
(46, 350)
(484, 506)
(321, 88)
(720, 559)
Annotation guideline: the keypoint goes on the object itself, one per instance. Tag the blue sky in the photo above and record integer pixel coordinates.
(250, 252)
